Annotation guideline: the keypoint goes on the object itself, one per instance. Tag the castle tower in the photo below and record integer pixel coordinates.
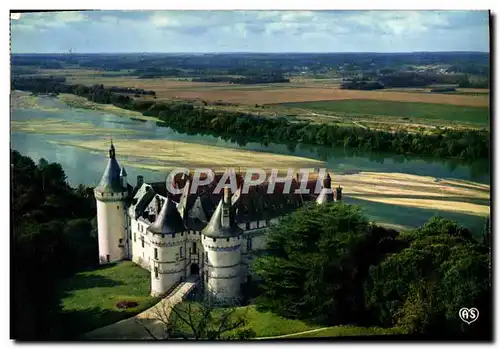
(167, 264)
(221, 241)
(110, 195)
(326, 193)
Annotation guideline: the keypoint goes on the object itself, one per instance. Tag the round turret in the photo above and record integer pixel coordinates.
(110, 195)
(167, 240)
(221, 240)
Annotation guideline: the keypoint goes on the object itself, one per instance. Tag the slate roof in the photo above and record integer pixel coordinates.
(142, 198)
(215, 229)
(201, 211)
(168, 220)
(110, 181)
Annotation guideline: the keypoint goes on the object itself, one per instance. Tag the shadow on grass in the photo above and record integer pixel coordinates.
(75, 323)
(82, 281)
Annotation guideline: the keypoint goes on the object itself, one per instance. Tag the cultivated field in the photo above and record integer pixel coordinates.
(449, 112)
(313, 100)
(298, 90)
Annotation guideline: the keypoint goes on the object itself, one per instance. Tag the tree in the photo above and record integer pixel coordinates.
(422, 287)
(47, 244)
(316, 262)
(201, 318)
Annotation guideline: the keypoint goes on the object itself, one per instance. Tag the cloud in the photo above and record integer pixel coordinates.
(46, 20)
(189, 31)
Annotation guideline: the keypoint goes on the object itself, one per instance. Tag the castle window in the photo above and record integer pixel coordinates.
(120, 242)
(142, 240)
(194, 247)
(227, 239)
(173, 235)
(182, 233)
(156, 272)
(206, 257)
(135, 236)
(215, 240)
(156, 253)
(180, 252)
(117, 207)
(247, 226)
(249, 244)
(107, 258)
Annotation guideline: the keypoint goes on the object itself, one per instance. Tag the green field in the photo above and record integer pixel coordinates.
(448, 112)
(267, 324)
(264, 324)
(339, 331)
(88, 299)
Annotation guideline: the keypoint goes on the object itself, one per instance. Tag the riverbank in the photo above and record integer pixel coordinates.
(193, 117)
(83, 103)
(63, 127)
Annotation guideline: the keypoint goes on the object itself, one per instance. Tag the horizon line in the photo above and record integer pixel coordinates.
(243, 52)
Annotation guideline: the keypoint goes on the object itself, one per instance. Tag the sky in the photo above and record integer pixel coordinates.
(249, 31)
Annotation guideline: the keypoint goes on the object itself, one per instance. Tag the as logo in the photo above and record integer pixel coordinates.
(468, 315)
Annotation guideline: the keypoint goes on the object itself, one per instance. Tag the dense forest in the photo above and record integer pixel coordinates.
(461, 144)
(329, 264)
(247, 80)
(53, 235)
(410, 79)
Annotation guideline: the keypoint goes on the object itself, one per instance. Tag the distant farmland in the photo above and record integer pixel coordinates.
(448, 112)
(295, 91)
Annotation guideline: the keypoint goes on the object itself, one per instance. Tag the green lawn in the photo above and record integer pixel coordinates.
(88, 299)
(478, 115)
(338, 331)
(267, 324)
(264, 324)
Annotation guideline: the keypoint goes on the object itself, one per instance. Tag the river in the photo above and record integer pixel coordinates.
(86, 166)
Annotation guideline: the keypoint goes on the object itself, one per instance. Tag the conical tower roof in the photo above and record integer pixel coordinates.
(168, 221)
(215, 229)
(110, 181)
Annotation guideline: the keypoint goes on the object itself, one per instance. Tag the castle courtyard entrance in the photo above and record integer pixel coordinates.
(195, 269)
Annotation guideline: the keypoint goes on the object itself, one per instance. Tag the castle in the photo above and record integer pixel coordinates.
(208, 235)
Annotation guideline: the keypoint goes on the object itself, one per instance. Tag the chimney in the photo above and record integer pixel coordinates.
(227, 195)
(327, 182)
(140, 181)
(339, 193)
(158, 204)
(226, 206)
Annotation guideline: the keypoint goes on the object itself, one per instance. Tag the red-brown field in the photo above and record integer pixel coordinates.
(269, 94)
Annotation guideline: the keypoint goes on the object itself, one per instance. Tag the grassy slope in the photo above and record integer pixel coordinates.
(338, 331)
(89, 299)
(268, 325)
(404, 109)
(264, 324)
